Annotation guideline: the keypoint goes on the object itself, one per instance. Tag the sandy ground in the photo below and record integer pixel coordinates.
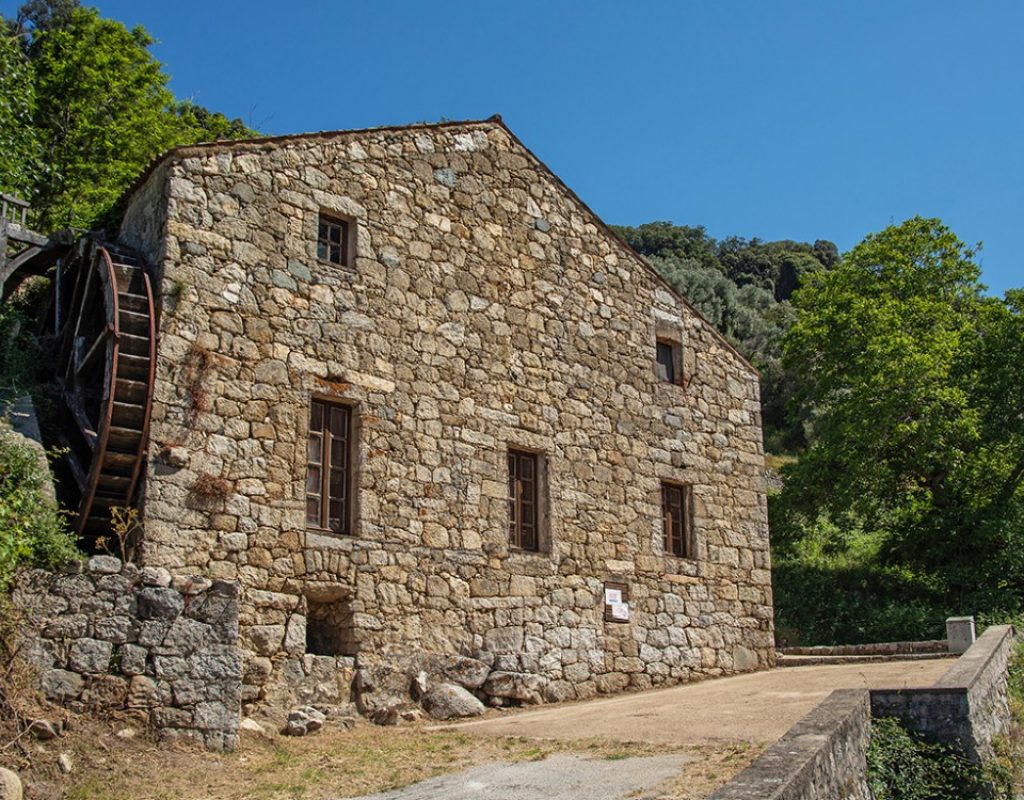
(757, 708)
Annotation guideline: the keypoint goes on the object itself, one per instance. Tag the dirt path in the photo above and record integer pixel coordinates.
(560, 777)
(759, 707)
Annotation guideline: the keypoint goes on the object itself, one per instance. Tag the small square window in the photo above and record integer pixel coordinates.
(668, 361)
(677, 519)
(332, 242)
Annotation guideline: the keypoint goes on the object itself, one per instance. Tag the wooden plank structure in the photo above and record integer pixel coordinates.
(104, 316)
(23, 252)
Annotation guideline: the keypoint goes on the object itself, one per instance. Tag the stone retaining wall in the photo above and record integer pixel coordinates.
(112, 637)
(930, 646)
(968, 705)
(822, 756)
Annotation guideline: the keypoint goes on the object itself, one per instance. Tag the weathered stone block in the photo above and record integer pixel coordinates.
(90, 655)
(521, 686)
(61, 685)
(159, 603)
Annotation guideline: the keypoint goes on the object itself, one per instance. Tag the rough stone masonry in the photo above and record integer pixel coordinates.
(476, 310)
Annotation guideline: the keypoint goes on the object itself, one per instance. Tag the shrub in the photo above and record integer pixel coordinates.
(33, 530)
(905, 766)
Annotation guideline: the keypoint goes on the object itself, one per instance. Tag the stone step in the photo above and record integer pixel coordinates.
(783, 660)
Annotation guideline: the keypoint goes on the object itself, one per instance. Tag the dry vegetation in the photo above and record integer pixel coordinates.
(336, 763)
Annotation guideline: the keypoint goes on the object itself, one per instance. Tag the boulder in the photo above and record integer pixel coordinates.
(249, 725)
(10, 785)
(44, 730)
(450, 701)
(397, 714)
(303, 721)
(469, 673)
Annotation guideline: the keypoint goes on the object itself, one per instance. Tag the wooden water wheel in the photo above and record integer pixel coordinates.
(106, 324)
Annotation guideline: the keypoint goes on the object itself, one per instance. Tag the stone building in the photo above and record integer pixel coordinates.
(420, 403)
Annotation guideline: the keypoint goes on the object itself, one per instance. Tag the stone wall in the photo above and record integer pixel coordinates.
(108, 636)
(822, 757)
(968, 706)
(485, 308)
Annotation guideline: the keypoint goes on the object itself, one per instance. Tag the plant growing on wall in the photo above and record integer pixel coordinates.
(32, 528)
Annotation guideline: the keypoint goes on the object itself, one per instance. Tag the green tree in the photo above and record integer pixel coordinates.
(18, 141)
(101, 114)
(913, 382)
(199, 124)
(89, 108)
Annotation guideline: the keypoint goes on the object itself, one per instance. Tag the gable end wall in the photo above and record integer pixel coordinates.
(486, 309)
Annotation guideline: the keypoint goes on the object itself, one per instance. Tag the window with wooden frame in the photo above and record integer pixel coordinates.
(332, 242)
(669, 361)
(677, 519)
(523, 499)
(329, 467)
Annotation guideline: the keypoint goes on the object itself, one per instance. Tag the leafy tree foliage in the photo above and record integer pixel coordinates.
(743, 288)
(19, 156)
(101, 114)
(94, 111)
(33, 531)
(913, 381)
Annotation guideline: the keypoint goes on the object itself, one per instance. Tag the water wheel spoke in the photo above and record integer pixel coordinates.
(98, 347)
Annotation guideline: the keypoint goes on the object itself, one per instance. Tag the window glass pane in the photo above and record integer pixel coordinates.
(313, 480)
(336, 516)
(316, 416)
(315, 450)
(666, 362)
(337, 484)
(335, 234)
(339, 453)
(313, 510)
(339, 422)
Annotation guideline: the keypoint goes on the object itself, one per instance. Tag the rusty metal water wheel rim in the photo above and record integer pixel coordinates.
(105, 371)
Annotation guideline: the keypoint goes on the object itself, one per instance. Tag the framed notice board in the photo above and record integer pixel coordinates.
(616, 602)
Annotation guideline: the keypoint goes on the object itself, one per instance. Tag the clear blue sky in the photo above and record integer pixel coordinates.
(797, 120)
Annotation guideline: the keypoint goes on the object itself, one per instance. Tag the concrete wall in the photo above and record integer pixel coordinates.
(485, 308)
(108, 636)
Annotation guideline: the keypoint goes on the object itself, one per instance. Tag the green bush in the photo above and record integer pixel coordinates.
(904, 766)
(33, 531)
